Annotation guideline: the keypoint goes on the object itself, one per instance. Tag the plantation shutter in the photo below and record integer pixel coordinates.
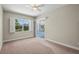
(12, 25)
(30, 25)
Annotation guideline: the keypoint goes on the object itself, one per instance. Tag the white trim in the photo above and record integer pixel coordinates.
(15, 39)
(66, 45)
(9, 40)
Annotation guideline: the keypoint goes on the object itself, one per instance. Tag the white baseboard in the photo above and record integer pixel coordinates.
(66, 45)
(16, 39)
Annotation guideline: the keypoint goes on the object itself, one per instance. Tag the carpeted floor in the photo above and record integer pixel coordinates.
(34, 46)
(25, 46)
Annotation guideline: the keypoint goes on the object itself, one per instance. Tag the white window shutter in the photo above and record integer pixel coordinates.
(12, 25)
(30, 25)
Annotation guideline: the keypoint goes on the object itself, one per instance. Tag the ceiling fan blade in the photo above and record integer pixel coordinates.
(41, 5)
(35, 7)
(28, 6)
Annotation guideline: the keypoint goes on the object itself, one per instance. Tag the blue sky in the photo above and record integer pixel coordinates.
(23, 21)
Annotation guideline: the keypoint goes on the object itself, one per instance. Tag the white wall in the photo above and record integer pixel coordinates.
(62, 25)
(1, 29)
(17, 35)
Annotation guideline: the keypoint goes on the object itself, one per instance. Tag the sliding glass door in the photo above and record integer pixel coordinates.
(40, 28)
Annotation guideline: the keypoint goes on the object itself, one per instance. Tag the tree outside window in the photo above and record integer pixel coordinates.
(21, 25)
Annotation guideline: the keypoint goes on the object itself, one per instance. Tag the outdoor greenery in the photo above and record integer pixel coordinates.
(21, 27)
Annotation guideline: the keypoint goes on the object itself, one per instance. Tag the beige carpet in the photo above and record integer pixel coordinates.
(35, 46)
(26, 46)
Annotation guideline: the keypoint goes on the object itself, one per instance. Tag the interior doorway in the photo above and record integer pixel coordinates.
(40, 28)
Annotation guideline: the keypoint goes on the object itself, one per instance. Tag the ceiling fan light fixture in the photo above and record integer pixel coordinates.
(35, 5)
(34, 8)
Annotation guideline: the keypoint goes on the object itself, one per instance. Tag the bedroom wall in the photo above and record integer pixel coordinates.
(1, 28)
(16, 35)
(62, 25)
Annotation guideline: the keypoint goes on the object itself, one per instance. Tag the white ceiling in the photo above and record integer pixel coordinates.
(23, 9)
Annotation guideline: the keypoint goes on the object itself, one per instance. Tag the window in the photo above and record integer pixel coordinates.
(21, 25)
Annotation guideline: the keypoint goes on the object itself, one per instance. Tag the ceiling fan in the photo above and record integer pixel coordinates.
(35, 7)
